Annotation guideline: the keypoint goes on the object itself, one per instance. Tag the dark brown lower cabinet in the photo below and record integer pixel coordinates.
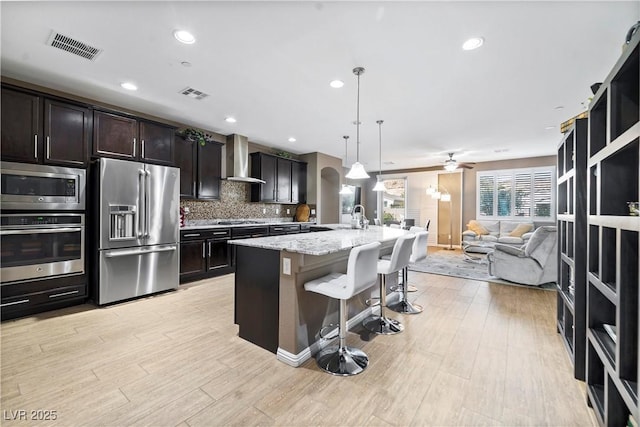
(204, 253)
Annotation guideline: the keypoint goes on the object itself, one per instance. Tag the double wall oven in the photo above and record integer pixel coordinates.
(42, 237)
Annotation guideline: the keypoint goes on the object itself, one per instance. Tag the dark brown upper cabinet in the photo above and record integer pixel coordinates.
(114, 136)
(124, 137)
(209, 170)
(156, 143)
(200, 168)
(66, 133)
(285, 179)
(37, 129)
(283, 189)
(21, 126)
(187, 160)
(298, 182)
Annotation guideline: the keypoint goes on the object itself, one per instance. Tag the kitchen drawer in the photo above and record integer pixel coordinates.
(275, 230)
(247, 232)
(201, 234)
(17, 305)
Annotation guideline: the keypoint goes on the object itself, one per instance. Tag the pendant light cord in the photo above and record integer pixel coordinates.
(346, 151)
(379, 122)
(358, 122)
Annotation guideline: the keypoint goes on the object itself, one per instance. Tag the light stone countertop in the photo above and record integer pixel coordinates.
(341, 237)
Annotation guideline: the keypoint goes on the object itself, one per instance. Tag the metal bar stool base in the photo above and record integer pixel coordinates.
(343, 361)
(406, 307)
(383, 325)
(411, 288)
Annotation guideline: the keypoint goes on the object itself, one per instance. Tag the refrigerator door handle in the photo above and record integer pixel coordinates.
(147, 214)
(119, 253)
(141, 212)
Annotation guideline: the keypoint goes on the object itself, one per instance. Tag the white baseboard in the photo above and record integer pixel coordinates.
(296, 360)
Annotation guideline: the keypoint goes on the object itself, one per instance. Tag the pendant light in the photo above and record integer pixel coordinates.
(345, 188)
(380, 184)
(357, 169)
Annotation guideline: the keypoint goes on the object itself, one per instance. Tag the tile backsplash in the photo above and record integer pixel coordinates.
(234, 204)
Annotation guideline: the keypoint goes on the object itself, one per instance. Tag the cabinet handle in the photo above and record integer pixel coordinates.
(142, 150)
(209, 249)
(22, 301)
(219, 233)
(35, 146)
(62, 294)
(134, 147)
(203, 254)
(48, 147)
(191, 235)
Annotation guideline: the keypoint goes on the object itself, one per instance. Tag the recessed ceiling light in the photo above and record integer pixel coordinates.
(185, 64)
(128, 86)
(292, 139)
(229, 119)
(336, 84)
(549, 127)
(473, 43)
(184, 36)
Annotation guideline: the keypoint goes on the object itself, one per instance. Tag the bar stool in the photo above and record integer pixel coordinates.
(418, 253)
(399, 259)
(361, 274)
(411, 288)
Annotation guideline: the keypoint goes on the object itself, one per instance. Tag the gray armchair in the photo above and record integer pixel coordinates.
(534, 263)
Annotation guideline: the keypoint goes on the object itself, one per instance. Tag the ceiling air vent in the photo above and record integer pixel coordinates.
(73, 46)
(192, 93)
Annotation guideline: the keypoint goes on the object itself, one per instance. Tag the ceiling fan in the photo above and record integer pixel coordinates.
(451, 164)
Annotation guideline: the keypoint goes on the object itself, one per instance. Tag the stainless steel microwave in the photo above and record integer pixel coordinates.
(42, 187)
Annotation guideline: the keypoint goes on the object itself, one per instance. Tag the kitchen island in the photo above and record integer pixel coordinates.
(273, 310)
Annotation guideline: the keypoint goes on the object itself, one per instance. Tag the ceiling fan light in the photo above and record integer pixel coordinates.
(357, 172)
(446, 197)
(451, 166)
(379, 186)
(436, 195)
(430, 190)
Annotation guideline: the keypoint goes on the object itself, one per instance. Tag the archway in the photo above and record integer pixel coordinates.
(329, 206)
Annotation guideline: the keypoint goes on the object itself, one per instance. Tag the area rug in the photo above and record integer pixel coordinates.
(452, 263)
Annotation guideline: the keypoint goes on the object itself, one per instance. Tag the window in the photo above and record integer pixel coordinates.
(516, 193)
(393, 200)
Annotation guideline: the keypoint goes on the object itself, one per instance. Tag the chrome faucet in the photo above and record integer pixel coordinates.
(358, 219)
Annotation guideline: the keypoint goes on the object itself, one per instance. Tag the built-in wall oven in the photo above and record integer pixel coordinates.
(35, 246)
(42, 238)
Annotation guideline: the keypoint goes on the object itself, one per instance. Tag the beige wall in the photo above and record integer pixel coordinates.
(323, 194)
(449, 213)
(469, 179)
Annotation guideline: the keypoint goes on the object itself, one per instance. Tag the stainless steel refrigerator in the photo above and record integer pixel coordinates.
(138, 230)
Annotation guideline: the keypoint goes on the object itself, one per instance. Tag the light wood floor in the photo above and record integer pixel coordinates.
(480, 354)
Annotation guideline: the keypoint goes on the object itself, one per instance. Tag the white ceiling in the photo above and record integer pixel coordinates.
(269, 64)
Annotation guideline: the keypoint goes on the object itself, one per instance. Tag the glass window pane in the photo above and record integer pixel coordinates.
(542, 198)
(393, 201)
(485, 205)
(504, 195)
(522, 194)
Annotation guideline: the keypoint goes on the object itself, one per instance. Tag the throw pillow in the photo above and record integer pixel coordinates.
(520, 230)
(477, 228)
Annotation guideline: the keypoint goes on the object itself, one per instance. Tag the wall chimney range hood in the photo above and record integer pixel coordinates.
(237, 147)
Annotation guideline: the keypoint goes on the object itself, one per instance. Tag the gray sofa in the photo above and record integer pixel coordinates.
(534, 263)
(499, 231)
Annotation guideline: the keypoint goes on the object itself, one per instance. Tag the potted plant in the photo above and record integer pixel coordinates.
(196, 135)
